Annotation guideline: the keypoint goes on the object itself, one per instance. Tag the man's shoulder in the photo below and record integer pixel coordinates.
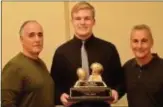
(66, 45)
(104, 42)
(14, 62)
(158, 59)
(129, 62)
(15, 59)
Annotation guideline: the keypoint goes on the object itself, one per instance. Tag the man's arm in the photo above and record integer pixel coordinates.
(57, 70)
(118, 72)
(11, 86)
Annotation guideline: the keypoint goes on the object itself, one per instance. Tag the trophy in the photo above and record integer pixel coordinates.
(92, 87)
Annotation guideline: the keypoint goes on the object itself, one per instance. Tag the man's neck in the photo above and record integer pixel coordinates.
(83, 37)
(145, 60)
(32, 56)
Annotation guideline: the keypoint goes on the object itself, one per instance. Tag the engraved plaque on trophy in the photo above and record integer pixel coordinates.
(92, 88)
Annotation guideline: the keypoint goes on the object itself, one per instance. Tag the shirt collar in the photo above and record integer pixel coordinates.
(79, 41)
(155, 57)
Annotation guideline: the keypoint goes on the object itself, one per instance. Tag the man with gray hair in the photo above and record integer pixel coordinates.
(25, 78)
(143, 72)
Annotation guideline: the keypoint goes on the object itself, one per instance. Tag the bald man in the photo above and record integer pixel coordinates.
(25, 78)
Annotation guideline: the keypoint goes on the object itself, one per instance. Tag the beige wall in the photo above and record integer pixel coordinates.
(113, 23)
(50, 14)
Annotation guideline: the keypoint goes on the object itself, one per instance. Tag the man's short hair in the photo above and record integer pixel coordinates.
(83, 5)
(143, 27)
(24, 24)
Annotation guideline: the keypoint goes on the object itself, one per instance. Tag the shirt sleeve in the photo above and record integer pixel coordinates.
(11, 85)
(57, 72)
(118, 73)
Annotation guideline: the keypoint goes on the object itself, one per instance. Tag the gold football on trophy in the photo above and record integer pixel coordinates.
(81, 74)
(97, 69)
(92, 88)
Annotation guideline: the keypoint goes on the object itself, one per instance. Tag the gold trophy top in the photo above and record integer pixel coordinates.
(97, 69)
(81, 74)
(94, 78)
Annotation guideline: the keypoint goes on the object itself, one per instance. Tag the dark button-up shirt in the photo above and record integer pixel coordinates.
(144, 84)
(67, 59)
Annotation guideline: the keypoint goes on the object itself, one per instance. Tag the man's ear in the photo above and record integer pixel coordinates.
(94, 21)
(21, 38)
(71, 20)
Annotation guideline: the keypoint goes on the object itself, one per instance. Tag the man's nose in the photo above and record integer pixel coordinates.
(82, 21)
(37, 37)
(139, 45)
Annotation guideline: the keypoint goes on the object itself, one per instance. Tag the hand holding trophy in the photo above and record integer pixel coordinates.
(92, 87)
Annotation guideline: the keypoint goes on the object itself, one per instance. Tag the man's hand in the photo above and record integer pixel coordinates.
(64, 100)
(115, 97)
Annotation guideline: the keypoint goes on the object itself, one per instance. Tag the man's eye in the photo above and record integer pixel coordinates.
(77, 18)
(135, 41)
(88, 18)
(31, 34)
(145, 40)
(40, 34)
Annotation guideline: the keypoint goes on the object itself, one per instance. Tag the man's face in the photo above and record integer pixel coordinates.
(83, 23)
(141, 43)
(32, 38)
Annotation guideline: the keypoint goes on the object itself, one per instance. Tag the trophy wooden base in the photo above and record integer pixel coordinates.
(88, 91)
(90, 98)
